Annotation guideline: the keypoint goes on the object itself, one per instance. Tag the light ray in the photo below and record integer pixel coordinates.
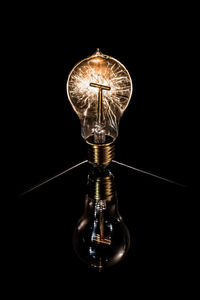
(148, 173)
(54, 177)
(114, 161)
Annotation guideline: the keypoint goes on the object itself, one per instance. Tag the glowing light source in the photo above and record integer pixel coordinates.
(99, 89)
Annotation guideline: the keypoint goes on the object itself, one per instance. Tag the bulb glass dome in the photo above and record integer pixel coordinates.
(99, 88)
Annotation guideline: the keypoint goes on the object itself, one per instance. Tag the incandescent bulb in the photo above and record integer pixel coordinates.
(101, 239)
(99, 88)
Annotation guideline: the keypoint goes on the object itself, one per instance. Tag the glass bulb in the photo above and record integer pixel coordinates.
(99, 88)
(101, 239)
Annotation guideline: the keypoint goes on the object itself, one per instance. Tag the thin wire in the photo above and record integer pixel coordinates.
(147, 173)
(54, 177)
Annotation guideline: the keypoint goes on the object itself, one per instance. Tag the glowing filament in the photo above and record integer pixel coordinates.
(100, 105)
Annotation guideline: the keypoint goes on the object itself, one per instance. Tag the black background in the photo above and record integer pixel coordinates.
(154, 135)
(153, 131)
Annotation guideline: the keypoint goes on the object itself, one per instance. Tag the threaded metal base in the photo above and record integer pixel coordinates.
(100, 154)
(101, 188)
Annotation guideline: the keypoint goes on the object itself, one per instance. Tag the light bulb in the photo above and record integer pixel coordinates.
(99, 88)
(101, 239)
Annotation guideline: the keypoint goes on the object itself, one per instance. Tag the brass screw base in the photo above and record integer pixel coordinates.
(102, 188)
(101, 154)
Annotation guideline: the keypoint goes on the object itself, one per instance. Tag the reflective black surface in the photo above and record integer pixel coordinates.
(154, 211)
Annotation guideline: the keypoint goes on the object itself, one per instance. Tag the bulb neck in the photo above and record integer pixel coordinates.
(101, 154)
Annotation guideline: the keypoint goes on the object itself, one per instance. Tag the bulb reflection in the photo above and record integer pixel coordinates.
(101, 239)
